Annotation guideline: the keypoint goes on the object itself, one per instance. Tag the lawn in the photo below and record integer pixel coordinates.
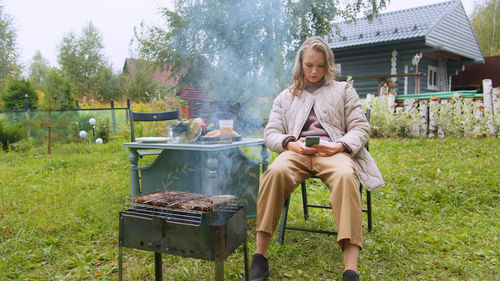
(436, 219)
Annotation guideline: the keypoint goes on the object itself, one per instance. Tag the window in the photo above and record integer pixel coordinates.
(432, 78)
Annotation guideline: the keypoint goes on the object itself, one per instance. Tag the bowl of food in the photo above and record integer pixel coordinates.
(188, 131)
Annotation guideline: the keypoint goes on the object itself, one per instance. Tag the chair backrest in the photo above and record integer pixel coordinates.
(150, 117)
(368, 115)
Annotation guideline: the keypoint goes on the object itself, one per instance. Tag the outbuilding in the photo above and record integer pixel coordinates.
(417, 49)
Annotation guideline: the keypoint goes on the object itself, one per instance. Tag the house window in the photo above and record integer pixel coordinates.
(432, 78)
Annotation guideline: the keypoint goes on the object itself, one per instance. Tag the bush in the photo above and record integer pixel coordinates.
(10, 134)
(461, 118)
(385, 123)
(15, 93)
(103, 130)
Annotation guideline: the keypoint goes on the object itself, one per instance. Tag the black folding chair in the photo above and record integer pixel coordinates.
(306, 205)
(150, 117)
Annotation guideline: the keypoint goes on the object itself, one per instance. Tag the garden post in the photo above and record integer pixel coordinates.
(113, 118)
(27, 114)
(128, 110)
(433, 108)
(423, 111)
(488, 105)
(391, 101)
(496, 104)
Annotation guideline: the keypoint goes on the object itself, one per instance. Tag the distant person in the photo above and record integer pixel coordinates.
(316, 105)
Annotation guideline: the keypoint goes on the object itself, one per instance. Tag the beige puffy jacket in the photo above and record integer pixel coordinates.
(339, 111)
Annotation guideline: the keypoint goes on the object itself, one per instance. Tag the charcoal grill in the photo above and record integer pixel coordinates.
(209, 235)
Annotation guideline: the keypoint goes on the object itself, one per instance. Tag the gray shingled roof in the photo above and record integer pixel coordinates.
(393, 26)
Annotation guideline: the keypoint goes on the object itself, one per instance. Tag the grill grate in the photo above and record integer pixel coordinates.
(221, 212)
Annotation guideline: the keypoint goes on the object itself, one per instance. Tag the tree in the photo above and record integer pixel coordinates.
(16, 92)
(8, 51)
(57, 88)
(486, 24)
(38, 70)
(138, 78)
(110, 86)
(241, 49)
(82, 58)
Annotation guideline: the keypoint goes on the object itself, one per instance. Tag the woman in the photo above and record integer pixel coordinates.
(316, 105)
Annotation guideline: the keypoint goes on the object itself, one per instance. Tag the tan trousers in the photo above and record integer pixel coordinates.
(289, 169)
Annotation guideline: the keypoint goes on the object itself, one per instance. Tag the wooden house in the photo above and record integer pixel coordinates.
(431, 43)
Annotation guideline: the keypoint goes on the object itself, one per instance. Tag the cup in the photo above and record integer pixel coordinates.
(226, 131)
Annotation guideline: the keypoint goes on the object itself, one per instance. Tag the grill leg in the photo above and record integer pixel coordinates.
(120, 263)
(158, 273)
(219, 270)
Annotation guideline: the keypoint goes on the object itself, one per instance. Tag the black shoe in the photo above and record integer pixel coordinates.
(259, 270)
(350, 275)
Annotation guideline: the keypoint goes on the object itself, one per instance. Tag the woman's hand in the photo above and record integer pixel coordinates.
(299, 147)
(328, 150)
(317, 149)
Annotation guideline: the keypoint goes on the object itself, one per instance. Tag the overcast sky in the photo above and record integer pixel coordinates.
(41, 25)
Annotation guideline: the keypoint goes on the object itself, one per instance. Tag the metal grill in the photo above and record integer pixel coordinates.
(210, 235)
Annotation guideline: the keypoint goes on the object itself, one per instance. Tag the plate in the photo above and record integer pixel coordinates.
(217, 139)
(153, 139)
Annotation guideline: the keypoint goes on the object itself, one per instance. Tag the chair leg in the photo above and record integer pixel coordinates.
(369, 209)
(158, 267)
(304, 200)
(284, 216)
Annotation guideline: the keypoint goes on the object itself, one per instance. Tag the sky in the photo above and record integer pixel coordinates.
(42, 24)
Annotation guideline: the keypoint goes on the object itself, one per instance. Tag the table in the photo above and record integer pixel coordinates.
(216, 169)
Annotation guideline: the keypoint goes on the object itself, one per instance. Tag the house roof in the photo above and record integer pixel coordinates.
(188, 93)
(443, 26)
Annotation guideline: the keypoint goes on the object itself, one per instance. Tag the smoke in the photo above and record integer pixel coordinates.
(237, 51)
(242, 51)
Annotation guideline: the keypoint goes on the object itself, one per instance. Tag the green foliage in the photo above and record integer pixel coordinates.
(15, 93)
(38, 71)
(58, 91)
(436, 219)
(103, 130)
(82, 58)
(139, 82)
(486, 23)
(110, 85)
(8, 51)
(385, 123)
(241, 50)
(10, 134)
(461, 117)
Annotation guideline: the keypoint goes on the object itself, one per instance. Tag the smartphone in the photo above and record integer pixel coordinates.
(312, 140)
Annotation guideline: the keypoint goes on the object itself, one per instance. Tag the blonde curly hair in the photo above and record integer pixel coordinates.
(298, 79)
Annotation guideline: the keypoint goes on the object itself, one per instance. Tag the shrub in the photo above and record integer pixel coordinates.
(385, 123)
(15, 93)
(461, 118)
(10, 134)
(103, 130)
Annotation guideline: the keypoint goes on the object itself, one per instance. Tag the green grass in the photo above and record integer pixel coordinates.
(436, 219)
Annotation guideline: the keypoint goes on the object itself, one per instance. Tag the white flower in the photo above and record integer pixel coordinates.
(83, 134)
(98, 141)
(92, 121)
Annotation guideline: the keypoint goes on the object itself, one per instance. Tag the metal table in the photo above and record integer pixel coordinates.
(220, 168)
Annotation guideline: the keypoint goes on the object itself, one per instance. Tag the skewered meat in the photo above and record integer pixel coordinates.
(185, 200)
